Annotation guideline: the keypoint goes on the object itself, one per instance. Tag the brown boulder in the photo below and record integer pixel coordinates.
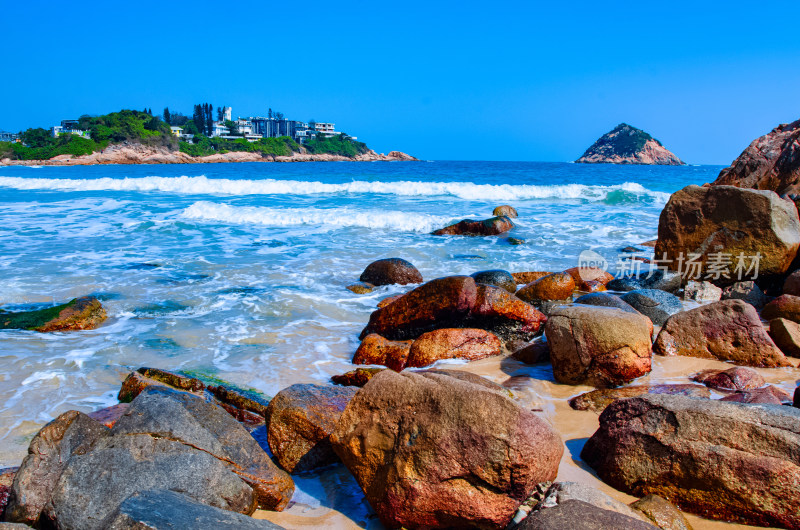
(427, 307)
(388, 300)
(785, 306)
(589, 274)
(488, 227)
(77, 314)
(556, 286)
(494, 306)
(662, 512)
(786, 335)
(357, 377)
(770, 395)
(729, 330)
(431, 451)
(580, 515)
(524, 278)
(716, 459)
(737, 378)
(391, 271)
(505, 210)
(598, 400)
(300, 420)
(375, 349)
(792, 284)
(360, 288)
(533, 353)
(452, 343)
(599, 346)
(729, 221)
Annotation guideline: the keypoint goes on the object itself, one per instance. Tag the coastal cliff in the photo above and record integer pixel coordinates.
(628, 145)
(135, 153)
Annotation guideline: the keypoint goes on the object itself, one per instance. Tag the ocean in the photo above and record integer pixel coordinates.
(239, 270)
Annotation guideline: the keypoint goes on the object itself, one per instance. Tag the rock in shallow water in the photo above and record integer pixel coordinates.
(556, 286)
(598, 400)
(452, 343)
(488, 227)
(721, 460)
(737, 378)
(77, 314)
(498, 278)
(432, 451)
(505, 210)
(375, 349)
(391, 271)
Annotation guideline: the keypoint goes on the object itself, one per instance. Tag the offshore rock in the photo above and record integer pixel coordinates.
(628, 145)
(77, 314)
(391, 271)
(505, 210)
(488, 227)
(432, 451)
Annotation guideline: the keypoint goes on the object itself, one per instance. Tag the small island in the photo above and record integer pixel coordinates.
(628, 145)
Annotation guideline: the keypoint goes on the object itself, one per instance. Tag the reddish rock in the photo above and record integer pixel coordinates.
(770, 395)
(556, 286)
(452, 343)
(388, 300)
(488, 227)
(300, 420)
(357, 377)
(785, 306)
(375, 349)
(108, 416)
(6, 479)
(737, 378)
(731, 221)
(592, 286)
(391, 271)
(427, 307)
(662, 512)
(598, 400)
(792, 284)
(524, 278)
(729, 330)
(713, 458)
(505, 210)
(431, 451)
(496, 305)
(786, 335)
(589, 274)
(599, 346)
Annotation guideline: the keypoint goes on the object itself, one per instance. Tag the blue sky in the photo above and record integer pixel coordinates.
(440, 80)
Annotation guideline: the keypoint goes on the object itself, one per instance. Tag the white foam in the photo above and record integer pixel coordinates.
(205, 186)
(332, 217)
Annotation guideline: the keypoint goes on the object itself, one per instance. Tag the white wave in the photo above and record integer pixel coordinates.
(333, 217)
(205, 186)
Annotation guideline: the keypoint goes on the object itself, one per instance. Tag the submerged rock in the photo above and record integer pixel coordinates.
(498, 278)
(360, 288)
(77, 314)
(598, 400)
(720, 460)
(452, 343)
(729, 330)
(391, 271)
(432, 451)
(488, 227)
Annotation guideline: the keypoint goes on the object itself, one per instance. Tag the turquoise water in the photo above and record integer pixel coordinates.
(240, 269)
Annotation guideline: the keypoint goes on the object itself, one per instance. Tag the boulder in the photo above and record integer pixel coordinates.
(729, 221)
(488, 227)
(300, 420)
(702, 291)
(505, 210)
(375, 349)
(515, 241)
(452, 343)
(108, 416)
(785, 306)
(796, 399)
(48, 454)
(388, 300)
(432, 451)
(533, 353)
(747, 292)
(580, 515)
(361, 287)
(786, 335)
(391, 271)
(496, 308)
(729, 330)
(556, 286)
(561, 492)
(769, 395)
(589, 274)
(357, 377)
(606, 300)
(720, 460)
(736, 378)
(77, 314)
(792, 284)
(662, 512)
(655, 304)
(598, 346)
(524, 278)
(598, 400)
(431, 305)
(498, 278)
(163, 509)
(654, 279)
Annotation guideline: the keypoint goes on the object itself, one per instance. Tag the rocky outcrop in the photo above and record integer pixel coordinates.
(719, 223)
(432, 451)
(628, 145)
(556, 286)
(598, 346)
(452, 343)
(488, 227)
(300, 420)
(391, 271)
(716, 459)
(77, 314)
(770, 162)
(729, 330)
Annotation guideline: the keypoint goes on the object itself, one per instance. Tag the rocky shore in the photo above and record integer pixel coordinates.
(435, 447)
(126, 153)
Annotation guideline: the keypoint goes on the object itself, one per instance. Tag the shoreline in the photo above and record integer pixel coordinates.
(137, 154)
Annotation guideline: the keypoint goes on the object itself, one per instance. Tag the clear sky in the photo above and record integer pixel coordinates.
(440, 80)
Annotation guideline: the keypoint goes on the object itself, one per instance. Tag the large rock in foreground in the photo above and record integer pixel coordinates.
(770, 162)
(729, 330)
(628, 145)
(77, 314)
(598, 346)
(716, 459)
(725, 221)
(431, 451)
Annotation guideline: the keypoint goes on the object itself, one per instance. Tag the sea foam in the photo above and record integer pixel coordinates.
(205, 186)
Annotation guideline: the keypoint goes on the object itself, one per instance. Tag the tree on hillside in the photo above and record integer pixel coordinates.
(269, 113)
(209, 119)
(167, 116)
(279, 115)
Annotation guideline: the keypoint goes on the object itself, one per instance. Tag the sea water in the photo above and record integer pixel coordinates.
(239, 270)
